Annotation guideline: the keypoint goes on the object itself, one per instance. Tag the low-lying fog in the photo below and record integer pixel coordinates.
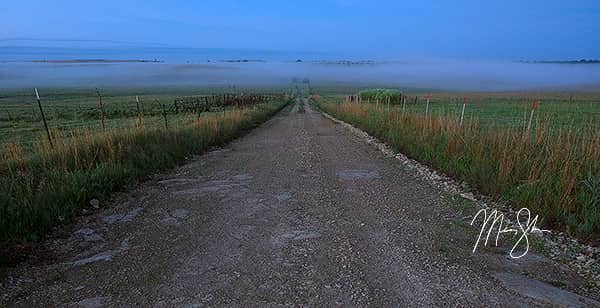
(206, 67)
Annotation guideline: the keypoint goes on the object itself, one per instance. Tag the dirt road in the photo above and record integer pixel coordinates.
(298, 212)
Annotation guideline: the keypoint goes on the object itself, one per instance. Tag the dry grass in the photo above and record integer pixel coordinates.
(40, 185)
(554, 172)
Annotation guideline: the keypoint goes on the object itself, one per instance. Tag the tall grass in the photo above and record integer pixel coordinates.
(374, 95)
(301, 106)
(42, 186)
(553, 172)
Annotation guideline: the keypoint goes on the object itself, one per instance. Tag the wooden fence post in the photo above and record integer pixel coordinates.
(137, 101)
(427, 106)
(37, 95)
(462, 114)
(164, 112)
(101, 109)
(200, 108)
(388, 103)
(531, 115)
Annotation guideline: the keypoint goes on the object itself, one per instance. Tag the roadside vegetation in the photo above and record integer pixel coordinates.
(301, 106)
(42, 185)
(78, 109)
(553, 167)
(381, 95)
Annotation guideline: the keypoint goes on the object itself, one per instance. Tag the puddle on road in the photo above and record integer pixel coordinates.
(284, 196)
(542, 291)
(178, 181)
(89, 235)
(170, 221)
(99, 257)
(180, 213)
(175, 217)
(297, 235)
(92, 302)
(128, 217)
(217, 152)
(357, 174)
(103, 256)
(242, 177)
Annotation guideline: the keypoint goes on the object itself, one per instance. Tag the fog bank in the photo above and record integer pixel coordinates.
(199, 67)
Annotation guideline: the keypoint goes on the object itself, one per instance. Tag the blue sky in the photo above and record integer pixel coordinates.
(506, 29)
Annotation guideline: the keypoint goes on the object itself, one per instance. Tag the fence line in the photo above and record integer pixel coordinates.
(23, 124)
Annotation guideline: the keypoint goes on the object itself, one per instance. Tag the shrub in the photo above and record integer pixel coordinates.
(381, 95)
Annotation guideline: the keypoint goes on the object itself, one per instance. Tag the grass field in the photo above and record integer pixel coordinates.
(42, 185)
(512, 109)
(553, 168)
(504, 108)
(75, 109)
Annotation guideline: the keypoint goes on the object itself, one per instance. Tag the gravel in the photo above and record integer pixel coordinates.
(299, 212)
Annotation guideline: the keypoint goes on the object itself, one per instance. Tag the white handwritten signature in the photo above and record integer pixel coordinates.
(489, 222)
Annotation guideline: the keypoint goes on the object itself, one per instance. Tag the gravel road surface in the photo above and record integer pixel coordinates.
(299, 212)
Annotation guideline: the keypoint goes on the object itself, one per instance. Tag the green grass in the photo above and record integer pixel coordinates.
(497, 109)
(42, 186)
(75, 109)
(553, 169)
(380, 95)
(511, 111)
(301, 106)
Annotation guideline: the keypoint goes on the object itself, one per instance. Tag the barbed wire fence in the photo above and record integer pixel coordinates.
(22, 122)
